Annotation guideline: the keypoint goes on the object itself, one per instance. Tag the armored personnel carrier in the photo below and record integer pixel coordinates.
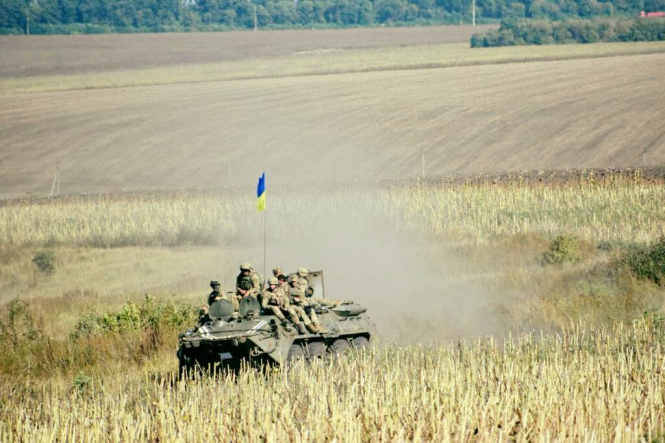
(230, 339)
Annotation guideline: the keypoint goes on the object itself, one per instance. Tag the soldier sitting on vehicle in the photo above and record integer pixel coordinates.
(248, 282)
(218, 294)
(303, 307)
(215, 295)
(277, 272)
(276, 302)
(303, 283)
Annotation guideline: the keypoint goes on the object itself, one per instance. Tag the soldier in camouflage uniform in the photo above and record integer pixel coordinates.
(218, 294)
(248, 282)
(277, 272)
(276, 302)
(302, 304)
(303, 283)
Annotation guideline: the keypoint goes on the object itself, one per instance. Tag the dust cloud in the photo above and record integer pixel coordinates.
(403, 279)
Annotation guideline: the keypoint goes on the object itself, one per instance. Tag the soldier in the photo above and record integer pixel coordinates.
(274, 300)
(277, 272)
(299, 303)
(213, 296)
(248, 282)
(218, 294)
(303, 283)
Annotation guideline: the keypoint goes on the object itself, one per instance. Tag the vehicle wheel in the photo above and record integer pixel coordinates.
(360, 343)
(316, 350)
(339, 346)
(295, 352)
(185, 364)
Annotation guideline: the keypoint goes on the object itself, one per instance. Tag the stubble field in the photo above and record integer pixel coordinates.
(447, 271)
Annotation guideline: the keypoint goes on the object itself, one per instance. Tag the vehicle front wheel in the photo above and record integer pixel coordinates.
(295, 352)
(360, 343)
(316, 351)
(338, 347)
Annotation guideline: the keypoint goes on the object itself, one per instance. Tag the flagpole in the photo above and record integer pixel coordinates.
(264, 245)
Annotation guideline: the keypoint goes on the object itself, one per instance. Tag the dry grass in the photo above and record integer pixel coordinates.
(583, 384)
(620, 209)
(481, 240)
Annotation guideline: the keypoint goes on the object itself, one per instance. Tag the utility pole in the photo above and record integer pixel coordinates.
(55, 187)
(473, 12)
(256, 22)
(27, 20)
(422, 162)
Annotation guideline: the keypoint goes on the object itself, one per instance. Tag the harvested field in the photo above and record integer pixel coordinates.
(475, 119)
(57, 55)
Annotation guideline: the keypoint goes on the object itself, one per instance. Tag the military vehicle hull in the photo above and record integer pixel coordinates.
(260, 340)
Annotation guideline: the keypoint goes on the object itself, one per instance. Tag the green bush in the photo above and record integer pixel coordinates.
(530, 32)
(82, 382)
(564, 248)
(147, 314)
(647, 262)
(45, 262)
(18, 325)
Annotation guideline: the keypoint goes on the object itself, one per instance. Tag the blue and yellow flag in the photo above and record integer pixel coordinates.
(261, 194)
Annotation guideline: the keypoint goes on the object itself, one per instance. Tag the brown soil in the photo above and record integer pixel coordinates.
(22, 56)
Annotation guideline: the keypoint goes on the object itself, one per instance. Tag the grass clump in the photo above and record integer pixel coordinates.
(647, 262)
(564, 249)
(45, 262)
(82, 382)
(18, 325)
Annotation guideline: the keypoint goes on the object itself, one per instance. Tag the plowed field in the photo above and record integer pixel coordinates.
(300, 128)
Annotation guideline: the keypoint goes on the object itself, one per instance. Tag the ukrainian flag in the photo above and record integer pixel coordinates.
(261, 194)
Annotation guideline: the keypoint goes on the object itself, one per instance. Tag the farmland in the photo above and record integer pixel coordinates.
(509, 305)
(448, 356)
(212, 133)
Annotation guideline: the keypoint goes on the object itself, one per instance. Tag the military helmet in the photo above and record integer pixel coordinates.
(302, 272)
(245, 266)
(273, 281)
(214, 283)
(293, 277)
(277, 269)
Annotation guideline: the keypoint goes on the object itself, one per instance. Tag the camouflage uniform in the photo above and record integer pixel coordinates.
(216, 294)
(277, 272)
(248, 284)
(273, 300)
(223, 295)
(299, 302)
(303, 283)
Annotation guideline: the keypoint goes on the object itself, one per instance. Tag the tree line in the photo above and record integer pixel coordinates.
(523, 32)
(97, 16)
